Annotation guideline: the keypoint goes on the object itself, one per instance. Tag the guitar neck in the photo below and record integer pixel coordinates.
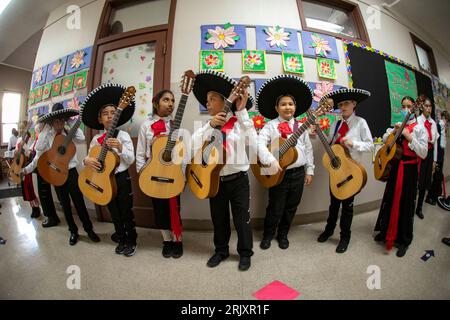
(226, 109)
(176, 122)
(400, 130)
(325, 143)
(292, 140)
(72, 132)
(109, 134)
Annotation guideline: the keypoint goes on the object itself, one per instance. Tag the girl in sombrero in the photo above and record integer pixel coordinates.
(167, 211)
(282, 99)
(56, 121)
(353, 133)
(98, 113)
(211, 88)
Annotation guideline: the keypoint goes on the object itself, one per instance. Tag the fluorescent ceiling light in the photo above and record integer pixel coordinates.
(3, 5)
(324, 25)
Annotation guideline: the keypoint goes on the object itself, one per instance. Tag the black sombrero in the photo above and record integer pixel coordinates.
(345, 94)
(109, 93)
(58, 112)
(210, 80)
(280, 85)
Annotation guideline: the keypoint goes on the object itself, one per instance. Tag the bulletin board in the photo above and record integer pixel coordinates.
(368, 71)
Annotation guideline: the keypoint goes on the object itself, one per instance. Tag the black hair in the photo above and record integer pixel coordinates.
(408, 98)
(446, 115)
(285, 95)
(157, 97)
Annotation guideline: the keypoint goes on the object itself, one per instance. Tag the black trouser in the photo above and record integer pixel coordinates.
(121, 209)
(237, 193)
(283, 202)
(436, 186)
(346, 216)
(46, 198)
(70, 188)
(424, 180)
(161, 209)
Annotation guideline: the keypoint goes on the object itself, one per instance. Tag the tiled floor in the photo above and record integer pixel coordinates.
(34, 262)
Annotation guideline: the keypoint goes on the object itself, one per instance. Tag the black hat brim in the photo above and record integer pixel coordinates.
(210, 80)
(345, 94)
(106, 94)
(59, 114)
(280, 85)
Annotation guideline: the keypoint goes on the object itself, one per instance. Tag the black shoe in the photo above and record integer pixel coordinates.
(419, 213)
(216, 259)
(444, 203)
(50, 222)
(73, 238)
(244, 263)
(430, 201)
(283, 242)
(120, 249)
(177, 249)
(115, 238)
(35, 213)
(265, 244)
(93, 236)
(167, 249)
(130, 250)
(380, 237)
(401, 250)
(342, 246)
(446, 241)
(324, 236)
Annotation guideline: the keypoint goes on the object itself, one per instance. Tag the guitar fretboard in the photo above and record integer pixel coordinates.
(71, 133)
(176, 122)
(109, 134)
(292, 140)
(326, 145)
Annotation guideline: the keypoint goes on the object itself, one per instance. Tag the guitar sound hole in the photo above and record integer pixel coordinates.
(335, 163)
(61, 150)
(166, 157)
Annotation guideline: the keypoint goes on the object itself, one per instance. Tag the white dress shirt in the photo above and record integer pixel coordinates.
(127, 154)
(146, 138)
(358, 133)
(419, 143)
(12, 143)
(243, 134)
(434, 133)
(270, 132)
(45, 142)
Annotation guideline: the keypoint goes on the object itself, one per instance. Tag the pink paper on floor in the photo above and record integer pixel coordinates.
(276, 290)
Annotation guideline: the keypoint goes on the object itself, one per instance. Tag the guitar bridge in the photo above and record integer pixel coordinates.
(196, 179)
(54, 167)
(340, 184)
(93, 185)
(162, 179)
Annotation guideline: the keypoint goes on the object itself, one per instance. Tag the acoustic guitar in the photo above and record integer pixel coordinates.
(347, 176)
(163, 177)
(99, 186)
(19, 158)
(203, 173)
(388, 155)
(53, 164)
(284, 151)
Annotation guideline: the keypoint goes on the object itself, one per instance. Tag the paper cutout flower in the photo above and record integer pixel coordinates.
(56, 68)
(46, 91)
(322, 89)
(66, 83)
(277, 36)
(79, 82)
(78, 59)
(253, 59)
(325, 67)
(324, 123)
(320, 45)
(56, 87)
(38, 76)
(222, 37)
(259, 122)
(293, 63)
(212, 60)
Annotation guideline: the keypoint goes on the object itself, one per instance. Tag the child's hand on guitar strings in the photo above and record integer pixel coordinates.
(219, 120)
(242, 100)
(92, 163)
(114, 143)
(347, 142)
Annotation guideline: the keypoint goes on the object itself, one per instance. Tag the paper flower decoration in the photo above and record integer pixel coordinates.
(38, 76)
(222, 37)
(324, 123)
(322, 89)
(74, 103)
(320, 45)
(212, 60)
(253, 59)
(277, 36)
(259, 122)
(56, 68)
(78, 59)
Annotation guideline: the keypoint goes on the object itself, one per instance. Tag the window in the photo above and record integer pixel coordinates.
(10, 114)
(337, 18)
(424, 55)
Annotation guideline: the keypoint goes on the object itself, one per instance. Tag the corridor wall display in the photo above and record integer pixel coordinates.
(277, 39)
(223, 37)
